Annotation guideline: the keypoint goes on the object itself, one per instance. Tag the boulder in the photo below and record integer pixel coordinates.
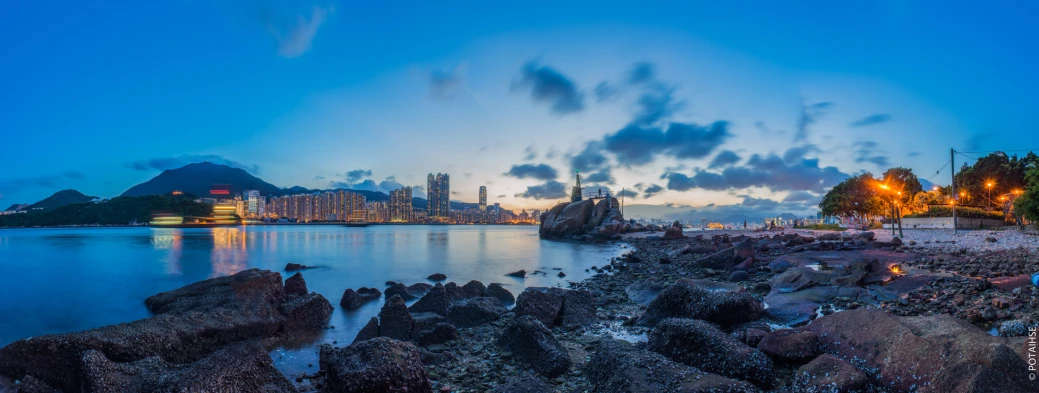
(240, 367)
(499, 292)
(395, 320)
(296, 286)
(369, 331)
(518, 274)
(739, 275)
(424, 321)
(419, 289)
(578, 308)
(435, 301)
(618, 367)
(936, 353)
(674, 232)
(295, 267)
(643, 292)
(524, 384)
(567, 220)
(401, 290)
(439, 334)
(827, 374)
(377, 365)
(690, 299)
(541, 303)
(790, 345)
(353, 300)
(189, 323)
(531, 342)
(744, 250)
(702, 345)
(437, 277)
(474, 312)
(472, 289)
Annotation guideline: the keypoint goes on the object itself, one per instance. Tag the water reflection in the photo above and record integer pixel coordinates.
(170, 240)
(229, 254)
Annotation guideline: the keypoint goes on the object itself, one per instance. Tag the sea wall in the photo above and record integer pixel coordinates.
(946, 223)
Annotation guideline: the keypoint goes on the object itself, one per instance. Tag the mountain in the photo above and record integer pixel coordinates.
(59, 199)
(199, 179)
(16, 206)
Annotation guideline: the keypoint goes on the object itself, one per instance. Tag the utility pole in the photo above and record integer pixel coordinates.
(952, 186)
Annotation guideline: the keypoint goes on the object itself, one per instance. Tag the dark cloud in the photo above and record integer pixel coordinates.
(502, 196)
(443, 83)
(356, 175)
(548, 190)
(386, 185)
(161, 164)
(798, 152)
(654, 105)
(724, 159)
(801, 196)
(771, 171)
(604, 92)
(319, 177)
(548, 85)
(871, 120)
(74, 175)
(642, 72)
(42, 181)
(603, 176)
(809, 115)
(530, 153)
(533, 171)
(635, 145)
(759, 202)
(627, 194)
(588, 159)
(865, 151)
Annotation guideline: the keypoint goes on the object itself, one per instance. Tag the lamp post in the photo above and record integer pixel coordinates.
(989, 186)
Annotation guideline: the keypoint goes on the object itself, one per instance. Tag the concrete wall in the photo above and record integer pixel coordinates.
(946, 223)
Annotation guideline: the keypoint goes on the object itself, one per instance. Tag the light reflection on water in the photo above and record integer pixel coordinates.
(61, 280)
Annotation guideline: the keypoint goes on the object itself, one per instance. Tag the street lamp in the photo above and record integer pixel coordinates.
(989, 186)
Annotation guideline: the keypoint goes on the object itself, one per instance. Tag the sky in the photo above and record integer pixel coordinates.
(713, 107)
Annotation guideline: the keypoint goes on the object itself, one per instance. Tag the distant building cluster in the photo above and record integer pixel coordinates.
(349, 206)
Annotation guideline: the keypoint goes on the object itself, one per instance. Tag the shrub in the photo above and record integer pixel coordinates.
(822, 227)
(961, 211)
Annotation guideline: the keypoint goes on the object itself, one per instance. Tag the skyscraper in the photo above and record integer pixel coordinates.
(400, 208)
(483, 198)
(438, 192)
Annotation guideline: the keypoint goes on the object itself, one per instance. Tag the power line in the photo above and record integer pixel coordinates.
(998, 151)
(939, 171)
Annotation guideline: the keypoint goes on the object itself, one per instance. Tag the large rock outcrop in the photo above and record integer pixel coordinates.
(377, 365)
(556, 306)
(190, 323)
(688, 298)
(936, 353)
(702, 345)
(586, 217)
(619, 367)
(535, 345)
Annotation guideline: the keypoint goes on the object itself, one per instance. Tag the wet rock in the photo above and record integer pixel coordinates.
(577, 219)
(437, 277)
(295, 267)
(687, 299)
(578, 308)
(541, 303)
(643, 292)
(744, 250)
(561, 275)
(369, 331)
(401, 290)
(790, 345)
(531, 342)
(896, 241)
(395, 320)
(377, 365)
(618, 367)
(499, 292)
(518, 274)
(525, 384)
(435, 301)
(189, 323)
(739, 275)
(419, 289)
(702, 345)
(424, 321)
(902, 353)
(828, 374)
(439, 334)
(474, 312)
(1014, 328)
(674, 232)
(353, 300)
(296, 286)
(472, 289)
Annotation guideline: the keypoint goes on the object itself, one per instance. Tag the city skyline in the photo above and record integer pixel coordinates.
(712, 106)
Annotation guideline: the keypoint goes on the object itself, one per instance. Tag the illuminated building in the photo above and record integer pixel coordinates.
(339, 205)
(483, 198)
(377, 211)
(400, 209)
(438, 196)
(255, 204)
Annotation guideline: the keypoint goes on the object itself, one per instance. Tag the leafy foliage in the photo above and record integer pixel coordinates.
(1006, 173)
(1027, 205)
(855, 197)
(961, 211)
(117, 211)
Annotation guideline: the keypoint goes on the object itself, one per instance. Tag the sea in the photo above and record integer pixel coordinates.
(72, 279)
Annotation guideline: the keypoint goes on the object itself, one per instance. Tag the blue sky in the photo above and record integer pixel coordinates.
(743, 105)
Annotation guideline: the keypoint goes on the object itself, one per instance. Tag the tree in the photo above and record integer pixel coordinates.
(902, 180)
(1027, 205)
(855, 197)
(1005, 173)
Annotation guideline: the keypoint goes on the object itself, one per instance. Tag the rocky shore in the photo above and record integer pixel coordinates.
(715, 312)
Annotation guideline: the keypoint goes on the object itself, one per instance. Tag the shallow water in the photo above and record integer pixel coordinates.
(64, 280)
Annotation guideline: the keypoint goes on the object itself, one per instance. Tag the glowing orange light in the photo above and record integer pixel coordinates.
(896, 269)
(989, 184)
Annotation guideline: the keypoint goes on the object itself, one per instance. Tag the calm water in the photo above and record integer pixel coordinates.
(63, 280)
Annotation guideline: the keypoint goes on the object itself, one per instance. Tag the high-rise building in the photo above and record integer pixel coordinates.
(400, 208)
(438, 196)
(253, 204)
(483, 198)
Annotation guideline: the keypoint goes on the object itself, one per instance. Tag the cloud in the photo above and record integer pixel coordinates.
(502, 196)
(293, 35)
(771, 171)
(74, 175)
(319, 177)
(529, 153)
(356, 175)
(809, 115)
(654, 105)
(641, 72)
(627, 194)
(801, 196)
(165, 163)
(533, 171)
(871, 120)
(653, 189)
(914, 154)
(864, 152)
(443, 83)
(386, 185)
(604, 92)
(588, 159)
(549, 86)
(635, 145)
(723, 159)
(548, 190)
(603, 176)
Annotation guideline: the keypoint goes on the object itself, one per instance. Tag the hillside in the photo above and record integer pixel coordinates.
(199, 179)
(117, 211)
(59, 199)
